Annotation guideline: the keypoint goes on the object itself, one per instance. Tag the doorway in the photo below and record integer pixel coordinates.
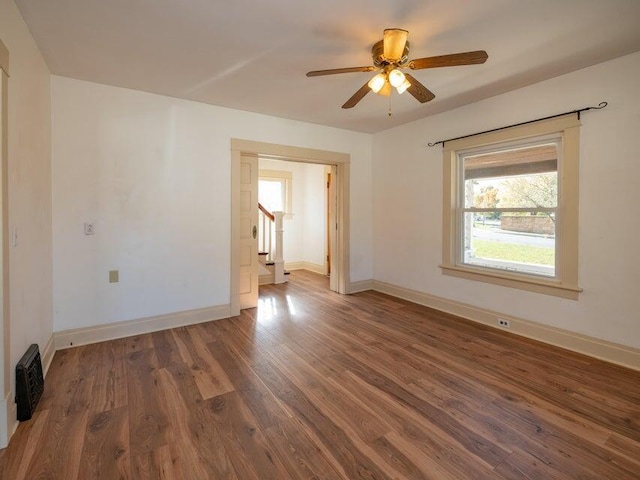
(299, 190)
(339, 164)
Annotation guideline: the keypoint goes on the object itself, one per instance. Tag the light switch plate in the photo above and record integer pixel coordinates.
(89, 229)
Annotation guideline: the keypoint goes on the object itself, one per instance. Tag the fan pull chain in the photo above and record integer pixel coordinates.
(390, 104)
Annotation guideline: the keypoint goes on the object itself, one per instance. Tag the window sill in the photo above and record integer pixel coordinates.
(530, 284)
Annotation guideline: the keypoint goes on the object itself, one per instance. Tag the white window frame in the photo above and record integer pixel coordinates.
(284, 177)
(565, 282)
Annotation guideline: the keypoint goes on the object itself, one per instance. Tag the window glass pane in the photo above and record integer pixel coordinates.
(516, 178)
(271, 194)
(518, 242)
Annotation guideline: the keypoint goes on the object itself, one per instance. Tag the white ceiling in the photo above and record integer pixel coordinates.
(253, 55)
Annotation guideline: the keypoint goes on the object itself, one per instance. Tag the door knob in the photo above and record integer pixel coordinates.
(255, 231)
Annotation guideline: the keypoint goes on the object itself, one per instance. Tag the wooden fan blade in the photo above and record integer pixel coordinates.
(453, 60)
(394, 41)
(317, 73)
(359, 95)
(419, 91)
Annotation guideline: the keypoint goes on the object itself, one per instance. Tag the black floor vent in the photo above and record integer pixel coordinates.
(29, 382)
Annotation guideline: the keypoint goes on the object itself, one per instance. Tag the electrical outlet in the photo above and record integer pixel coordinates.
(89, 229)
(114, 276)
(503, 323)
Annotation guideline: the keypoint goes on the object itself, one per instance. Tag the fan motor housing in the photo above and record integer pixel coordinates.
(379, 60)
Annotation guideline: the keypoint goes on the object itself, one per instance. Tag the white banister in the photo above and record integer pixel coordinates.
(265, 232)
(270, 226)
(270, 241)
(279, 260)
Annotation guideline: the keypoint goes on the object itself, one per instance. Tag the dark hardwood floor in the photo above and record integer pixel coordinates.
(315, 385)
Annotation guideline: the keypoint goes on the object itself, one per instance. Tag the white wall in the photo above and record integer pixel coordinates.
(153, 173)
(408, 202)
(315, 215)
(29, 189)
(304, 231)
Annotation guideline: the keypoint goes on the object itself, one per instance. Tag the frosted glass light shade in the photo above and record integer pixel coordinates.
(377, 82)
(403, 88)
(396, 77)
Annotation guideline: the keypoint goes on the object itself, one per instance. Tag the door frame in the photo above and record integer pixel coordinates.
(6, 397)
(329, 203)
(339, 281)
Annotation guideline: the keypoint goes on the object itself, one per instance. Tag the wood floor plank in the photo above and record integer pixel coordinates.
(17, 456)
(138, 342)
(476, 445)
(248, 449)
(149, 423)
(415, 428)
(58, 452)
(166, 349)
(110, 389)
(62, 370)
(167, 465)
(314, 385)
(492, 388)
(207, 372)
(201, 434)
(426, 465)
(265, 407)
(351, 459)
(105, 453)
(347, 412)
(528, 465)
(192, 463)
(626, 447)
(300, 455)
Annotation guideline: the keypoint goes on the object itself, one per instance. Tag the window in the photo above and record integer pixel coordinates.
(510, 214)
(274, 190)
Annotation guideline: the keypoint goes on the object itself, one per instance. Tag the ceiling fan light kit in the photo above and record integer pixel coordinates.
(386, 90)
(377, 82)
(389, 56)
(403, 87)
(396, 78)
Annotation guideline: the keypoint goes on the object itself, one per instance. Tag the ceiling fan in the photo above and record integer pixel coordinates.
(390, 55)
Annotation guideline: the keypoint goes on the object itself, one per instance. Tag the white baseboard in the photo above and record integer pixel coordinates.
(4, 421)
(8, 417)
(361, 286)
(111, 331)
(602, 349)
(293, 265)
(47, 355)
(312, 267)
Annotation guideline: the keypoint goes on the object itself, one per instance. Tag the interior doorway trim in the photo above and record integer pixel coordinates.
(341, 162)
(6, 397)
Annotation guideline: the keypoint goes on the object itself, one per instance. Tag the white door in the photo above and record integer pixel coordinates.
(248, 276)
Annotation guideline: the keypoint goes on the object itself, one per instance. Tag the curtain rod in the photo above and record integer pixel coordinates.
(600, 106)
